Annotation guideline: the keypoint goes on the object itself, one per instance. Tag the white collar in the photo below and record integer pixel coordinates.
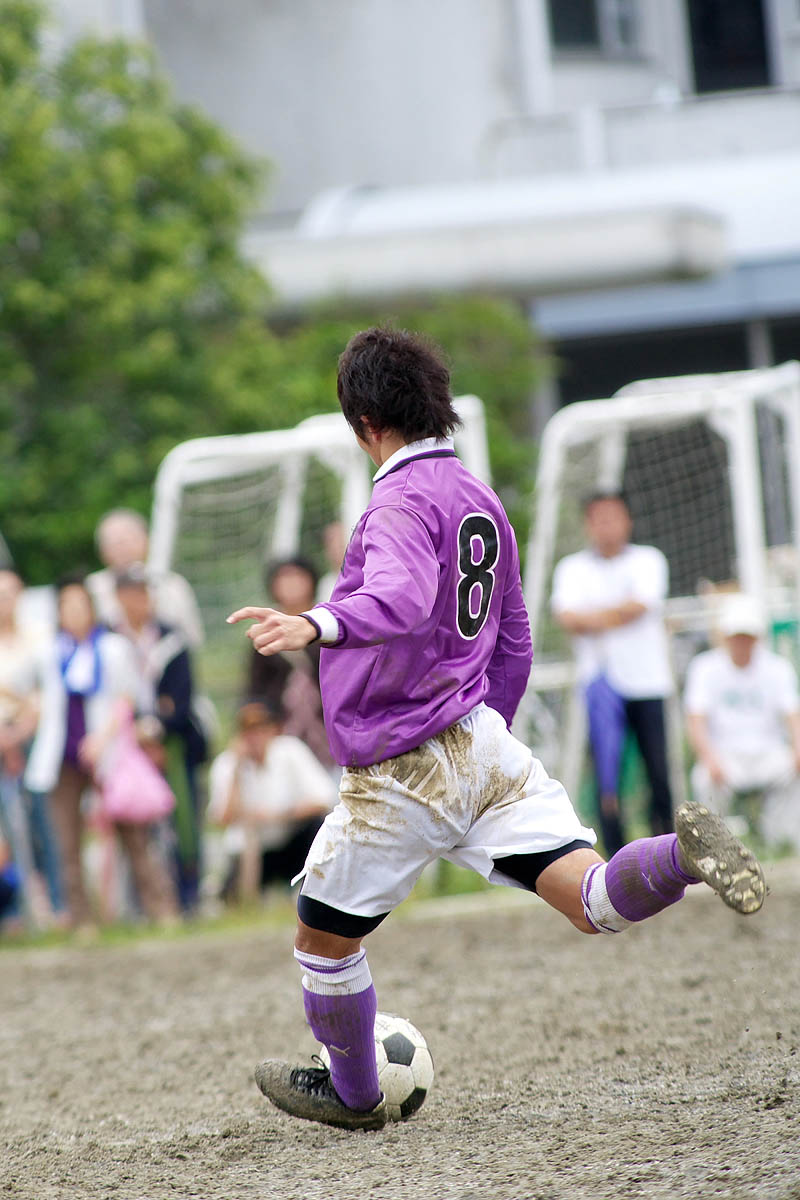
(411, 450)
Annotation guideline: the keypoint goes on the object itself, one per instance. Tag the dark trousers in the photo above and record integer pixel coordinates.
(280, 863)
(610, 716)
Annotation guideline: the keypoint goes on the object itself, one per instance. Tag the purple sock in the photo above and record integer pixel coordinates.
(645, 877)
(346, 1025)
(340, 1004)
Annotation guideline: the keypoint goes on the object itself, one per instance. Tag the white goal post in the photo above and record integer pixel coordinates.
(225, 507)
(710, 465)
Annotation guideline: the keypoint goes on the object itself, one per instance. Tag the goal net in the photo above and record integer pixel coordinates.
(225, 507)
(709, 467)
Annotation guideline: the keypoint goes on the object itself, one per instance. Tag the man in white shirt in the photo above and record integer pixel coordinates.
(271, 794)
(743, 718)
(122, 541)
(610, 597)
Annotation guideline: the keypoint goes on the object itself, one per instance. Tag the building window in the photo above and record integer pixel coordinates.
(606, 26)
(729, 44)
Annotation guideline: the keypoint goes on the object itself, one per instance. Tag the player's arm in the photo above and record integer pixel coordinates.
(273, 631)
(400, 581)
(401, 575)
(510, 666)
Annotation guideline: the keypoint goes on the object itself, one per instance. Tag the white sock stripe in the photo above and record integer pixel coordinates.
(328, 965)
(587, 881)
(335, 976)
(597, 907)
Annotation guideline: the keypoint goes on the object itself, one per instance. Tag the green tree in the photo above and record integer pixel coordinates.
(130, 321)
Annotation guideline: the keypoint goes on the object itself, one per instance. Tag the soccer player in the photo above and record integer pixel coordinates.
(426, 654)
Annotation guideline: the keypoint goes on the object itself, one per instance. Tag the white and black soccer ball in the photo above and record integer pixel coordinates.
(405, 1066)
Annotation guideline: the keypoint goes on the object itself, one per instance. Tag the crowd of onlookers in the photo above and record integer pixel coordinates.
(109, 783)
(741, 702)
(104, 800)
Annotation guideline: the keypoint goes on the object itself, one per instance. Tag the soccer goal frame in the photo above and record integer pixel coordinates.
(225, 508)
(733, 405)
(326, 437)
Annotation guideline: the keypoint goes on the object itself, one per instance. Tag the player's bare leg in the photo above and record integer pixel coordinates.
(340, 1006)
(649, 875)
(560, 886)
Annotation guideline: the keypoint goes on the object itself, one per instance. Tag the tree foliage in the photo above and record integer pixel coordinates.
(129, 320)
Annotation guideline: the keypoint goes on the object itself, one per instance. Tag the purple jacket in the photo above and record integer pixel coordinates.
(430, 613)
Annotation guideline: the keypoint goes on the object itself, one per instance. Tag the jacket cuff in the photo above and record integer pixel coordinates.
(326, 623)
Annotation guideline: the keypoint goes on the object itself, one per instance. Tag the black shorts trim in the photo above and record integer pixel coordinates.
(321, 916)
(526, 868)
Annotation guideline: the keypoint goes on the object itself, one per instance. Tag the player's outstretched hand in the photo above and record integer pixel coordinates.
(274, 631)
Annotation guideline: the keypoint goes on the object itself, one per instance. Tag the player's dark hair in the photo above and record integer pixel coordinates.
(608, 494)
(297, 560)
(396, 380)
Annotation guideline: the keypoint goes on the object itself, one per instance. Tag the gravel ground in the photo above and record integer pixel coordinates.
(660, 1063)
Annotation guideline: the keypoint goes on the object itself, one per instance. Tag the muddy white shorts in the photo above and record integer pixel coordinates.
(471, 795)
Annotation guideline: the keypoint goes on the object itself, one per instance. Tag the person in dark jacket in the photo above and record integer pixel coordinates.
(166, 691)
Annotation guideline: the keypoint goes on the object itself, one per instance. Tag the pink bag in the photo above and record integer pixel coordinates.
(133, 790)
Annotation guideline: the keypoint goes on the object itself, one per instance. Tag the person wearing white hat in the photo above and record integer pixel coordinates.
(743, 720)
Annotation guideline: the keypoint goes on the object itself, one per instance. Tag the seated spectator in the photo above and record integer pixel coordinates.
(26, 817)
(94, 677)
(165, 690)
(743, 715)
(271, 794)
(122, 540)
(290, 680)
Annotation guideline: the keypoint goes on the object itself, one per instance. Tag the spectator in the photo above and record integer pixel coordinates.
(165, 690)
(9, 884)
(290, 681)
(334, 541)
(743, 718)
(26, 817)
(122, 540)
(271, 794)
(610, 598)
(94, 673)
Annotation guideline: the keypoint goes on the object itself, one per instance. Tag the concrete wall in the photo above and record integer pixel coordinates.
(351, 91)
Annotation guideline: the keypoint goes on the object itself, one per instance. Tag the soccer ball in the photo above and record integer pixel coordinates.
(405, 1066)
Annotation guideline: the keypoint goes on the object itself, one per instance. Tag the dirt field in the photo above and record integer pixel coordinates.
(660, 1063)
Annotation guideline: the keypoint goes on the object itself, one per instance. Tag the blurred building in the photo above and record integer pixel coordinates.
(628, 168)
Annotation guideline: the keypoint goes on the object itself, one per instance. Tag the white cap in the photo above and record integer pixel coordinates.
(741, 614)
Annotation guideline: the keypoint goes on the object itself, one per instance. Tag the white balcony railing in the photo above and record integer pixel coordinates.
(679, 130)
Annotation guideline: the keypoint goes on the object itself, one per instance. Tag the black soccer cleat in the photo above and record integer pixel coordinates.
(308, 1092)
(712, 853)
